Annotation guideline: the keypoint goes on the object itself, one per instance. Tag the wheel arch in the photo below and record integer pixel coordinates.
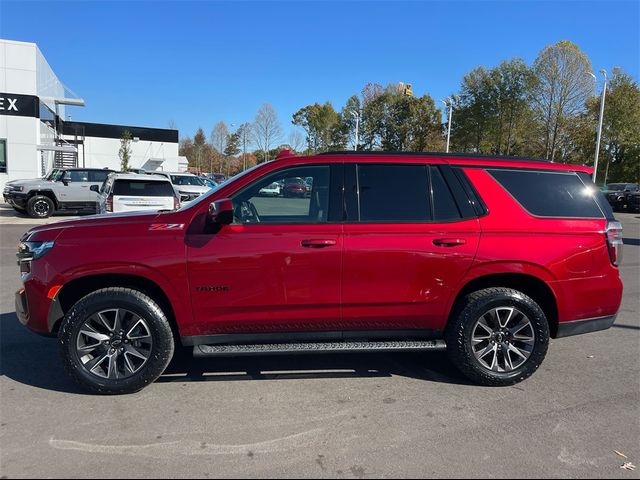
(79, 287)
(531, 285)
(45, 193)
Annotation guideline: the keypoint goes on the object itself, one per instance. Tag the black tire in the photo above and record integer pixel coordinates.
(458, 335)
(40, 206)
(133, 301)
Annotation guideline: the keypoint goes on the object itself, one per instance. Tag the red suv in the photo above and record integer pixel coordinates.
(487, 258)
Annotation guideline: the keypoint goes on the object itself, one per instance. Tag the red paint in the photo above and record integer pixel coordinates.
(340, 276)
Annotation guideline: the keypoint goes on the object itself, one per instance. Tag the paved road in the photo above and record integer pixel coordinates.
(382, 415)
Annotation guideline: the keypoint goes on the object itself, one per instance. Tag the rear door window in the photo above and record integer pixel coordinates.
(445, 208)
(142, 188)
(98, 176)
(79, 175)
(394, 193)
(550, 194)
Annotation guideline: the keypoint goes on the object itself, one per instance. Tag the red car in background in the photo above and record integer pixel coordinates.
(486, 258)
(295, 187)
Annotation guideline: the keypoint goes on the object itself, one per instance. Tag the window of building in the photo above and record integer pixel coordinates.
(3, 156)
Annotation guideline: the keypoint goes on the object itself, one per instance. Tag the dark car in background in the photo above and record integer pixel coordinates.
(619, 194)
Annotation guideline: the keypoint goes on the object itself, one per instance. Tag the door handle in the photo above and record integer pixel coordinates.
(449, 242)
(318, 243)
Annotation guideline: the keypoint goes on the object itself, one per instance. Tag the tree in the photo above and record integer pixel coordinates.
(620, 129)
(245, 132)
(323, 125)
(562, 86)
(218, 137)
(492, 110)
(349, 113)
(266, 128)
(231, 150)
(296, 141)
(125, 150)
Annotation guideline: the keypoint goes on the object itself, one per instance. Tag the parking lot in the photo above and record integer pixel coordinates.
(373, 415)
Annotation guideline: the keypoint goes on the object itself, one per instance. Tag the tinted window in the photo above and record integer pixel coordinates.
(284, 197)
(186, 180)
(444, 205)
(599, 197)
(142, 188)
(548, 194)
(394, 193)
(78, 175)
(98, 176)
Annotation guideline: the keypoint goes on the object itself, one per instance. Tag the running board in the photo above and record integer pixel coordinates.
(317, 347)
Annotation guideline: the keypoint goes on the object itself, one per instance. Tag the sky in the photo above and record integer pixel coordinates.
(196, 63)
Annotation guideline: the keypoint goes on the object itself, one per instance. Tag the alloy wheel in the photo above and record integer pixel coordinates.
(503, 339)
(114, 344)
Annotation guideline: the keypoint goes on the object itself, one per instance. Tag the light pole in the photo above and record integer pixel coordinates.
(356, 113)
(448, 102)
(604, 93)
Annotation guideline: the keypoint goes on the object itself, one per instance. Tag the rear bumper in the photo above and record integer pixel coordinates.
(578, 327)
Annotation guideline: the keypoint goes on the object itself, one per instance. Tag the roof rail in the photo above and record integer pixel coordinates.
(435, 154)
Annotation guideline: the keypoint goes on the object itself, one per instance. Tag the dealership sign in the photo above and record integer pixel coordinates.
(19, 105)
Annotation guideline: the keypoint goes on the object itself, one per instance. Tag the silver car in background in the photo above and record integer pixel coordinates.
(125, 192)
(187, 185)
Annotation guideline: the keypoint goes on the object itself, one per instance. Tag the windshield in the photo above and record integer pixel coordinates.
(54, 175)
(616, 186)
(206, 196)
(186, 180)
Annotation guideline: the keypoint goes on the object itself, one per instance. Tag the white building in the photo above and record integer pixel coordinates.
(34, 137)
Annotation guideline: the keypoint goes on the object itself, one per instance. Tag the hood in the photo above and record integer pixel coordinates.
(33, 182)
(52, 230)
(191, 188)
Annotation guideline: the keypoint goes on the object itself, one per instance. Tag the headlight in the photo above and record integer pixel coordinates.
(28, 251)
(17, 189)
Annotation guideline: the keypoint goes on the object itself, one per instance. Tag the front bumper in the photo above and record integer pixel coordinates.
(22, 310)
(578, 327)
(16, 199)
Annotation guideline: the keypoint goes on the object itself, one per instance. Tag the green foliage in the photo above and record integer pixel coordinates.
(125, 150)
(324, 127)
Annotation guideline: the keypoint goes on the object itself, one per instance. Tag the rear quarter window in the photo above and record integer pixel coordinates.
(143, 188)
(550, 194)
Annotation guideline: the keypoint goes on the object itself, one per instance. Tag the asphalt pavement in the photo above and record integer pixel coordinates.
(344, 416)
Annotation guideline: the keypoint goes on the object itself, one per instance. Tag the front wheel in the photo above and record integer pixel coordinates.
(40, 206)
(115, 341)
(498, 337)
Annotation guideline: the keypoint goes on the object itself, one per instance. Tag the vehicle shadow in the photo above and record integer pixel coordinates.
(32, 360)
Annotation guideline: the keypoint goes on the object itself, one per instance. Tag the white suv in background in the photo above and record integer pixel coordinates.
(125, 192)
(187, 185)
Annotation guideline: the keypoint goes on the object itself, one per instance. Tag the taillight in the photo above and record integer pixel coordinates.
(614, 242)
(109, 204)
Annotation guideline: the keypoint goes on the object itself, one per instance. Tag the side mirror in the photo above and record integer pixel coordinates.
(94, 188)
(66, 182)
(221, 211)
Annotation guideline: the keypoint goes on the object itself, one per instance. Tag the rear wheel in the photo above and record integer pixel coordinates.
(498, 337)
(40, 206)
(115, 341)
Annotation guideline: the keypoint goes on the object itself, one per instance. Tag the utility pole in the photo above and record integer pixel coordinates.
(448, 102)
(356, 113)
(604, 93)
